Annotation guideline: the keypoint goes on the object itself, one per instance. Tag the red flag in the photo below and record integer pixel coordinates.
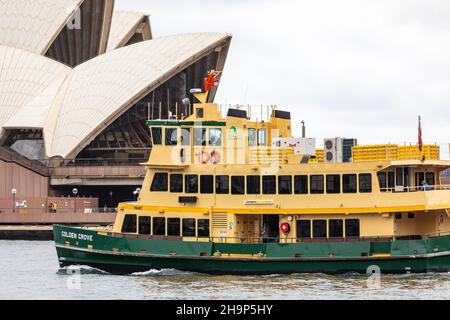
(210, 82)
(420, 135)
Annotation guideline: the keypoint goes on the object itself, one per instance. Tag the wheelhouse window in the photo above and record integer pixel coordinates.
(173, 227)
(349, 184)
(352, 228)
(145, 226)
(262, 137)
(222, 184)
(336, 228)
(207, 184)
(253, 185)
(176, 183)
(199, 137)
(159, 226)
(391, 180)
(188, 227)
(203, 228)
(285, 184)
(157, 136)
(171, 136)
(269, 184)
(252, 139)
(191, 183)
(382, 181)
(430, 178)
(186, 137)
(303, 229)
(237, 185)
(301, 184)
(317, 184)
(320, 228)
(129, 224)
(160, 182)
(365, 183)
(215, 137)
(333, 183)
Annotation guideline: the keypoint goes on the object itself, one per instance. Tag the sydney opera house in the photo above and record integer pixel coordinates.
(78, 81)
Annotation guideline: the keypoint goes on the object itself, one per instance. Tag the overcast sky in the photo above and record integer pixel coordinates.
(350, 68)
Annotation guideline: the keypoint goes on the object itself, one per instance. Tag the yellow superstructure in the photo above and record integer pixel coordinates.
(220, 179)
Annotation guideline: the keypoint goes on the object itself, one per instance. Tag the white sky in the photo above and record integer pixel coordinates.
(350, 68)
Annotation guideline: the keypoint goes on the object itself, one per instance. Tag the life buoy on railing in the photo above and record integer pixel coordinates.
(216, 157)
(204, 157)
(285, 228)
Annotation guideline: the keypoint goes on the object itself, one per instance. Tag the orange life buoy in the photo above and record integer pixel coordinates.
(216, 157)
(204, 157)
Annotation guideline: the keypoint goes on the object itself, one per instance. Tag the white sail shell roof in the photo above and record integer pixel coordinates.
(24, 76)
(100, 90)
(123, 26)
(33, 25)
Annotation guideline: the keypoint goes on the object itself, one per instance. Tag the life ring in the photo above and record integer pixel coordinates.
(285, 228)
(204, 157)
(216, 157)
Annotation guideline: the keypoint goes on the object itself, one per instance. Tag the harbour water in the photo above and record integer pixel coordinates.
(29, 270)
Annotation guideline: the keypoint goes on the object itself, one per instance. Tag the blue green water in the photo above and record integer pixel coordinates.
(29, 270)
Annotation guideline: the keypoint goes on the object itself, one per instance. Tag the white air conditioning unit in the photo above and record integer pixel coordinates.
(333, 150)
(301, 146)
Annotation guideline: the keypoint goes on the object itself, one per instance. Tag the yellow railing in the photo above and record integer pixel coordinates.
(394, 152)
(269, 156)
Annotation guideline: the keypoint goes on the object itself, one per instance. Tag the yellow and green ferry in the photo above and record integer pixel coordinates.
(232, 195)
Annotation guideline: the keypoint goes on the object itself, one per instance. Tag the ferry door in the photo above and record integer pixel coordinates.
(270, 228)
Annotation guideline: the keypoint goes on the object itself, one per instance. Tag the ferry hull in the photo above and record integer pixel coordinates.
(127, 260)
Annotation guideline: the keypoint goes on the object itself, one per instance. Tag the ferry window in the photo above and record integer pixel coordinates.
(186, 137)
(285, 184)
(269, 184)
(411, 215)
(336, 228)
(429, 178)
(301, 184)
(129, 224)
(238, 185)
(317, 184)
(191, 185)
(349, 183)
(203, 228)
(262, 137)
(303, 229)
(253, 184)
(382, 181)
(215, 137)
(173, 227)
(157, 136)
(320, 228)
(160, 183)
(398, 215)
(199, 137)
(176, 183)
(159, 226)
(171, 136)
(352, 228)
(222, 184)
(252, 140)
(200, 112)
(365, 183)
(188, 227)
(399, 176)
(145, 225)
(207, 184)
(333, 183)
(391, 180)
(420, 178)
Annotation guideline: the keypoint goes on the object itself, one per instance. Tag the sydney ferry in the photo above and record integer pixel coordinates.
(234, 195)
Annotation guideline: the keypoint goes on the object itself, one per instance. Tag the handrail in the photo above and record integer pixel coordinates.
(417, 188)
(22, 210)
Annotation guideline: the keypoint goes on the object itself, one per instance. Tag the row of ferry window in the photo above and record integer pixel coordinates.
(172, 227)
(316, 184)
(318, 228)
(203, 136)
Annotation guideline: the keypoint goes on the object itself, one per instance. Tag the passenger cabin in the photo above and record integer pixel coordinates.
(219, 179)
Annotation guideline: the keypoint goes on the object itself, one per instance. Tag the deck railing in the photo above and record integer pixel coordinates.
(417, 188)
